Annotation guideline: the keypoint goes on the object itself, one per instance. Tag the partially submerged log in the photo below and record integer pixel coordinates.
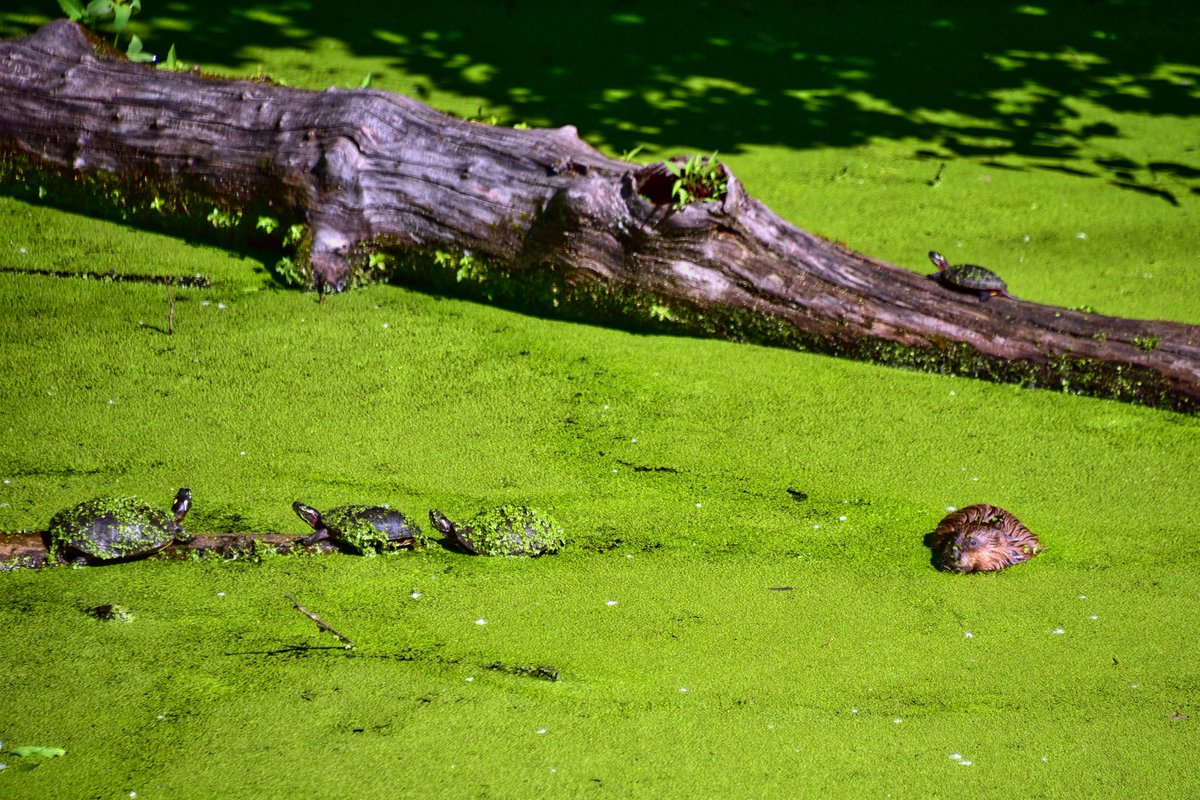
(29, 549)
(381, 183)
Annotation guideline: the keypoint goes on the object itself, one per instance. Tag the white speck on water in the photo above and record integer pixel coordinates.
(634, 440)
(1135, 686)
(968, 635)
(415, 595)
(470, 678)
(22, 250)
(1045, 758)
(697, 505)
(951, 508)
(952, 393)
(111, 401)
(541, 730)
(975, 478)
(842, 518)
(816, 527)
(964, 763)
(481, 621)
(606, 406)
(1058, 630)
(854, 711)
(385, 326)
(221, 306)
(683, 689)
(220, 594)
(3, 766)
(133, 794)
(1081, 235)
(1093, 616)
(956, 756)
(897, 720)
(243, 453)
(1026, 238)
(610, 602)
(7, 481)
(162, 716)
(204, 303)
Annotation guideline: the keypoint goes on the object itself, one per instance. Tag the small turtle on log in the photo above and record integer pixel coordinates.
(980, 538)
(365, 530)
(509, 530)
(110, 529)
(969, 277)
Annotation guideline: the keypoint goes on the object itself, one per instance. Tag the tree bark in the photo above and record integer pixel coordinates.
(532, 217)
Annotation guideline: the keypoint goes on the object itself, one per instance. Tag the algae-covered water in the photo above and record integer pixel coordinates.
(746, 608)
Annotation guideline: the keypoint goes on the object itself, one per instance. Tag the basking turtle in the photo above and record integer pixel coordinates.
(361, 529)
(108, 529)
(509, 530)
(969, 277)
(980, 538)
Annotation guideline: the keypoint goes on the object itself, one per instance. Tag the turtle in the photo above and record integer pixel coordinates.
(969, 277)
(366, 530)
(110, 529)
(981, 538)
(508, 530)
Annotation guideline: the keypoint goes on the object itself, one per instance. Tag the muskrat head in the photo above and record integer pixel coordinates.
(980, 538)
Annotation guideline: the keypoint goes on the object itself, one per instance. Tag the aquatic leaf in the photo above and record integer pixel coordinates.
(39, 751)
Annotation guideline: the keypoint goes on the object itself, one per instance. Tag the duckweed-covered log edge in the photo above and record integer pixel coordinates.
(383, 185)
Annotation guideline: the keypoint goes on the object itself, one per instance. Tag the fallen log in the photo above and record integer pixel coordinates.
(374, 184)
(29, 549)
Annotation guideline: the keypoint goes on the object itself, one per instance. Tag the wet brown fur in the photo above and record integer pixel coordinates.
(980, 538)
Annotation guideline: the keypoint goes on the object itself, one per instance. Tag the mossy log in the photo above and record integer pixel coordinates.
(381, 182)
(29, 549)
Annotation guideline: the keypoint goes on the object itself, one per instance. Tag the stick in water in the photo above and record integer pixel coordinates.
(171, 304)
(322, 624)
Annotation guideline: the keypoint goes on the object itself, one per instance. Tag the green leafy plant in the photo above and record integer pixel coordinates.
(267, 224)
(699, 180)
(629, 155)
(1147, 343)
(294, 235)
(112, 16)
(288, 272)
(172, 63)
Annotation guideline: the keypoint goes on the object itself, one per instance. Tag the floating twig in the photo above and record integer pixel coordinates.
(171, 306)
(322, 624)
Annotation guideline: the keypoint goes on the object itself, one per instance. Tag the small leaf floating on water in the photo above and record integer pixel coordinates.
(39, 751)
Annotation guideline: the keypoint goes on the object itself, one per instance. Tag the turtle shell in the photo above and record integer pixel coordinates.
(110, 529)
(975, 278)
(509, 530)
(362, 529)
(981, 538)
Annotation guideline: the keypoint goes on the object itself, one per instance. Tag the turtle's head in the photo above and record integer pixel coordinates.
(451, 532)
(938, 260)
(439, 521)
(309, 514)
(181, 506)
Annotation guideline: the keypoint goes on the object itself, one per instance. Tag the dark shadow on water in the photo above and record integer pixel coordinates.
(980, 79)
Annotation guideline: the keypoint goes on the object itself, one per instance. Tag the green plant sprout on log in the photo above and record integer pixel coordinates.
(699, 180)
